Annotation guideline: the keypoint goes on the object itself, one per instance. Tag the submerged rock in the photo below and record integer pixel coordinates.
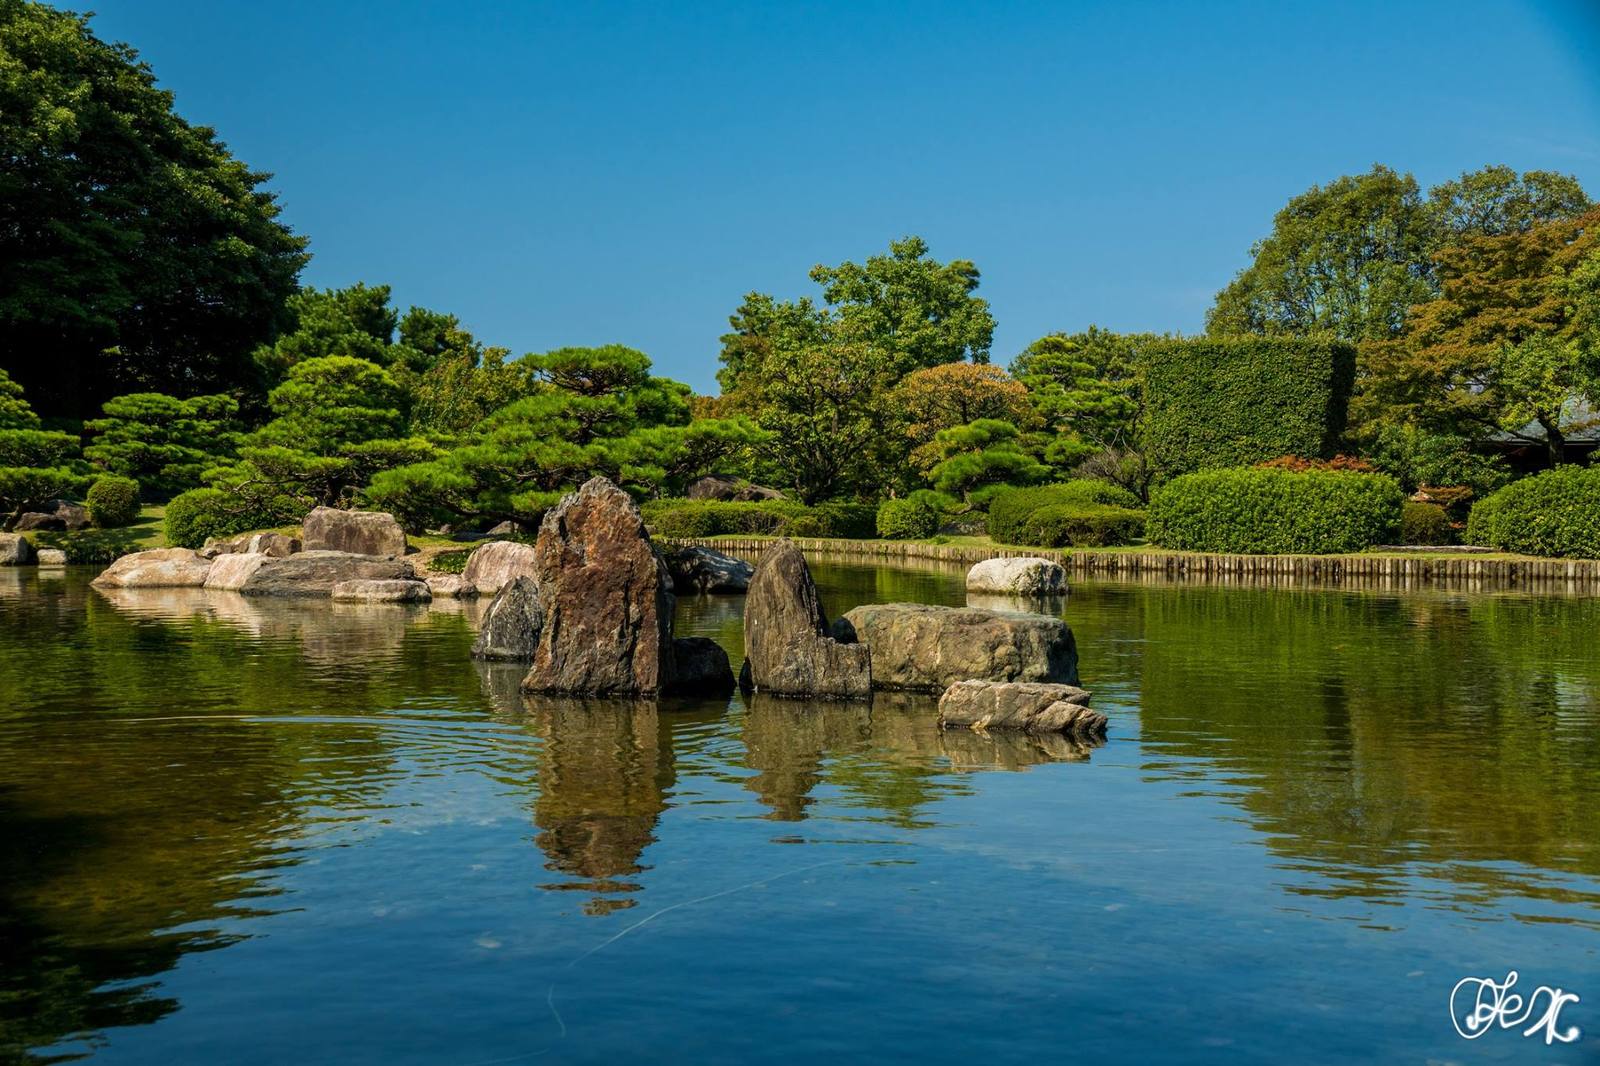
(696, 570)
(495, 565)
(382, 591)
(606, 598)
(356, 532)
(788, 651)
(700, 667)
(1024, 706)
(15, 550)
(511, 623)
(1018, 577)
(314, 573)
(922, 647)
(156, 568)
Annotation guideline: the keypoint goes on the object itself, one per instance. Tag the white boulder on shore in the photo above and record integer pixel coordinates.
(1025, 576)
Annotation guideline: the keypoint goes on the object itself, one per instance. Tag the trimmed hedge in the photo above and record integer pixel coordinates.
(1425, 523)
(1009, 510)
(1082, 525)
(907, 520)
(1256, 511)
(196, 515)
(1556, 513)
(1214, 403)
(787, 518)
(113, 501)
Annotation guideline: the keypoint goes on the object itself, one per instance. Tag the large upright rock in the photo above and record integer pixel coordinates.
(495, 565)
(787, 648)
(511, 624)
(157, 568)
(1018, 577)
(314, 573)
(357, 532)
(921, 647)
(607, 599)
(15, 550)
(1030, 708)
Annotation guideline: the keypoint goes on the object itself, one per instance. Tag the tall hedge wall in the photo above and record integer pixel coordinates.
(1223, 402)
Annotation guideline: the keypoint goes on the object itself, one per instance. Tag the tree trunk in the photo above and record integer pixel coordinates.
(1555, 441)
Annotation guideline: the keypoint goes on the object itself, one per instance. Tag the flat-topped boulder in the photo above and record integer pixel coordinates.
(493, 566)
(51, 557)
(230, 570)
(15, 550)
(705, 570)
(314, 573)
(156, 568)
(922, 647)
(606, 596)
(450, 587)
(355, 532)
(700, 667)
(511, 623)
(788, 651)
(1018, 577)
(382, 591)
(1015, 705)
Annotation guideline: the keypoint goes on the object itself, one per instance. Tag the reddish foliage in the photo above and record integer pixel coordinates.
(1298, 464)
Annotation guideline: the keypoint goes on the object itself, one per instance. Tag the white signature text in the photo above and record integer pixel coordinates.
(1477, 1004)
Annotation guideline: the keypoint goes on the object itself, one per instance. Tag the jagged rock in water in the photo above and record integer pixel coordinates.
(922, 647)
(356, 532)
(15, 550)
(382, 591)
(156, 568)
(788, 651)
(511, 623)
(314, 573)
(695, 570)
(1018, 577)
(1018, 705)
(493, 566)
(700, 667)
(606, 596)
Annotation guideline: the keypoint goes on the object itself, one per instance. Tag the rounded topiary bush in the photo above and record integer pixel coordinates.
(1010, 509)
(1263, 511)
(1554, 513)
(1082, 525)
(906, 520)
(1425, 523)
(199, 514)
(113, 501)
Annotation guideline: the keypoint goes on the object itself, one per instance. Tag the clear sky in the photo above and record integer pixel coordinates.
(580, 173)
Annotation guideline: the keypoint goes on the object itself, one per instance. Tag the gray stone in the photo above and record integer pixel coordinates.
(382, 591)
(356, 532)
(15, 550)
(1024, 706)
(156, 568)
(493, 566)
(511, 623)
(606, 596)
(1018, 577)
(231, 570)
(722, 487)
(57, 515)
(314, 573)
(277, 545)
(921, 647)
(450, 587)
(697, 570)
(52, 557)
(787, 648)
(700, 667)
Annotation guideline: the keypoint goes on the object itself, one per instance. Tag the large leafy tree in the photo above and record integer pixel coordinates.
(162, 442)
(1085, 393)
(136, 254)
(954, 394)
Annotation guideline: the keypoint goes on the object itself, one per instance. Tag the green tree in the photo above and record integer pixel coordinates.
(35, 465)
(1495, 201)
(136, 254)
(163, 443)
(353, 323)
(1085, 391)
(984, 455)
(15, 412)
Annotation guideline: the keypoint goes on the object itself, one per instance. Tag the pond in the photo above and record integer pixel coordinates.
(238, 831)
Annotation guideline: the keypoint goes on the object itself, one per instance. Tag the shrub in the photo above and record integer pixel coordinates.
(198, 514)
(1300, 464)
(1082, 525)
(787, 518)
(1554, 513)
(113, 501)
(1425, 523)
(854, 521)
(1009, 510)
(907, 520)
(1214, 403)
(1259, 511)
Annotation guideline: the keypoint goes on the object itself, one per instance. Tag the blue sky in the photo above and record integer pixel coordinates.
(586, 173)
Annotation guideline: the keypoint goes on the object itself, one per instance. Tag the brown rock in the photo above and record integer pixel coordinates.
(314, 573)
(921, 647)
(722, 487)
(15, 550)
(495, 565)
(157, 568)
(1024, 706)
(787, 647)
(605, 592)
(450, 587)
(277, 545)
(356, 532)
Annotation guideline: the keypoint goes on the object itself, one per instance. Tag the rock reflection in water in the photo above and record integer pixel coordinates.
(1054, 606)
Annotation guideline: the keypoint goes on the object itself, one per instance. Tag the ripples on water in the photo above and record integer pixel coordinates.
(255, 832)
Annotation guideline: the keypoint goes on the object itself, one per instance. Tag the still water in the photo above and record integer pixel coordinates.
(236, 831)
